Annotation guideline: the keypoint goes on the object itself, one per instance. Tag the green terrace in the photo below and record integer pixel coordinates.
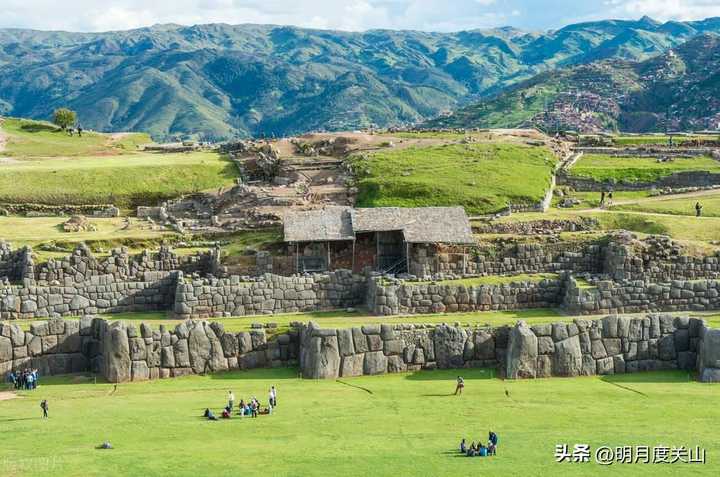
(638, 169)
(481, 177)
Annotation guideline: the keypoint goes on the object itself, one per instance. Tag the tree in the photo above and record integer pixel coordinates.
(64, 117)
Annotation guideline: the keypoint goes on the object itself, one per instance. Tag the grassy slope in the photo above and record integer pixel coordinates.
(404, 424)
(482, 177)
(126, 181)
(39, 139)
(631, 169)
(50, 167)
(659, 139)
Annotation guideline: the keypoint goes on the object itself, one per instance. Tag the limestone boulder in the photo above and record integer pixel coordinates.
(359, 341)
(521, 353)
(182, 353)
(6, 349)
(116, 353)
(346, 342)
(484, 345)
(375, 362)
(449, 344)
(199, 348)
(352, 366)
(140, 371)
(229, 344)
(568, 358)
(322, 358)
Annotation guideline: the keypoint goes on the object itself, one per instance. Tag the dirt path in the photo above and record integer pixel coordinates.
(7, 395)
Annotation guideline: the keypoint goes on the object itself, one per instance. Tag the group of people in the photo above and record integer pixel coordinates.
(479, 449)
(26, 379)
(250, 408)
(606, 200)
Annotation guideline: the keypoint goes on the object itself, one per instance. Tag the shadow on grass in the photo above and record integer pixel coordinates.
(265, 374)
(452, 374)
(649, 377)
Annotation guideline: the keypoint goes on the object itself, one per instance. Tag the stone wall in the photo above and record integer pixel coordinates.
(238, 296)
(44, 210)
(98, 294)
(686, 179)
(121, 352)
(636, 296)
(606, 346)
(656, 259)
(508, 259)
(395, 297)
(13, 263)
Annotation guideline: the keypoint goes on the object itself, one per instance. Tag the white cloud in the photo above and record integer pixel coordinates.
(436, 15)
(671, 9)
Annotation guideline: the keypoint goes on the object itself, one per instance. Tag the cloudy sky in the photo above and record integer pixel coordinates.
(429, 15)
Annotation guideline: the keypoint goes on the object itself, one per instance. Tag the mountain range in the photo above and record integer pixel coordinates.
(219, 81)
(678, 90)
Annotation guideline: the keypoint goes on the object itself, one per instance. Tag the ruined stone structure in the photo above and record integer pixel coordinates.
(612, 345)
(121, 352)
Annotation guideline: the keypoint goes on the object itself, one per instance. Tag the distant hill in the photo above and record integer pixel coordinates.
(218, 81)
(678, 90)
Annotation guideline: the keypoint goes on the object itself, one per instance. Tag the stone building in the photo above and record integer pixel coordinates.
(384, 239)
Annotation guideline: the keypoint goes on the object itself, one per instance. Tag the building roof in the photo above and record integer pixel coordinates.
(321, 225)
(419, 225)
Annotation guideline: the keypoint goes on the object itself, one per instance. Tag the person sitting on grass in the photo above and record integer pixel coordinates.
(482, 450)
(226, 413)
(241, 407)
(463, 447)
(209, 415)
(471, 451)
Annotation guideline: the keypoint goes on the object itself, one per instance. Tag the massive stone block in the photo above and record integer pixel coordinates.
(199, 349)
(568, 358)
(352, 365)
(449, 344)
(375, 363)
(322, 360)
(116, 353)
(522, 353)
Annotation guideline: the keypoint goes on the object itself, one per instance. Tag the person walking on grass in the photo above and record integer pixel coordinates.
(698, 209)
(460, 385)
(273, 396)
(44, 407)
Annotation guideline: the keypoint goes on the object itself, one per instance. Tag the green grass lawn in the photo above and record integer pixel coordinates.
(28, 139)
(126, 180)
(481, 177)
(659, 139)
(499, 279)
(400, 424)
(633, 169)
(592, 199)
(686, 206)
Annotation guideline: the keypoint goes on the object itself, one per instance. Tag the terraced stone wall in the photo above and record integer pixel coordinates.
(612, 345)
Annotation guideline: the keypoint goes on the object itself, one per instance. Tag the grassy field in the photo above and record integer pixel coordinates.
(345, 319)
(592, 199)
(499, 279)
(685, 206)
(32, 139)
(704, 229)
(632, 169)
(126, 181)
(44, 165)
(660, 139)
(481, 177)
(400, 424)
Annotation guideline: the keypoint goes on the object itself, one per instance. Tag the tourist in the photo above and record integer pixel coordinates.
(79, 130)
(493, 439)
(241, 406)
(11, 378)
(226, 413)
(610, 199)
(273, 395)
(209, 415)
(460, 385)
(472, 450)
(231, 400)
(44, 407)
(602, 199)
(482, 451)
(698, 209)
(492, 449)
(29, 381)
(463, 447)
